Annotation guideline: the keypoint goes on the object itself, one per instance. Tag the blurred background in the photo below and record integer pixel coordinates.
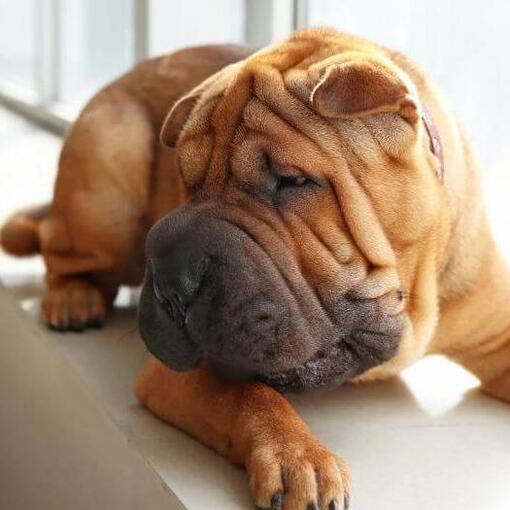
(54, 54)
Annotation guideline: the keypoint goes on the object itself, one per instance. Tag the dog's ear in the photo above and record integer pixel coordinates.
(176, 118)
(208, 90)
(361, 87)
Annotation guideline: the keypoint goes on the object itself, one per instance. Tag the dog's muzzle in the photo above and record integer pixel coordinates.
(212, 292)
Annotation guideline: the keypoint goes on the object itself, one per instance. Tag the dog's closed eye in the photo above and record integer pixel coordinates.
(285, 177)
(287, 181)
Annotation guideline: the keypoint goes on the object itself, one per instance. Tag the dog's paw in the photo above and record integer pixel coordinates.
(298, 474)
(73, 304)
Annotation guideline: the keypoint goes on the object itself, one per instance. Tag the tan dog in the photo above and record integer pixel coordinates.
(320, 243)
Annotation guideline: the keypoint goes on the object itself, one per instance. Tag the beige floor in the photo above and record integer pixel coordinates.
(427, 441)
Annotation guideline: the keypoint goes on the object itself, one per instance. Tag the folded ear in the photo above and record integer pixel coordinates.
(176, 119)
(362, 87)
(181, 110)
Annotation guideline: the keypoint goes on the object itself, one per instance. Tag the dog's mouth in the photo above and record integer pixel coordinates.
(322, 370)
(343, 361)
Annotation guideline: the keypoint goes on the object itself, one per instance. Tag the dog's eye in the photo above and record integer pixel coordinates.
(284, 180)
(288, 181)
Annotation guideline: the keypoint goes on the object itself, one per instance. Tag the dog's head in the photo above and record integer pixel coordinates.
(314, 223)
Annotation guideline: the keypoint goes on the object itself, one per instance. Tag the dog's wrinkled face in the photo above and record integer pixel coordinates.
(313, 220)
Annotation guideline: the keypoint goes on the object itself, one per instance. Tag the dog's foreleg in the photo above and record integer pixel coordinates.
(253, 426)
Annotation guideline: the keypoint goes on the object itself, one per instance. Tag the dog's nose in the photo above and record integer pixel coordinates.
(207, 295)
(177, 283)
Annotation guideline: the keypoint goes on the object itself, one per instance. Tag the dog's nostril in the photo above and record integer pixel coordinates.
(176, 308)
(176, 283)
(178, 303)
(174, 304)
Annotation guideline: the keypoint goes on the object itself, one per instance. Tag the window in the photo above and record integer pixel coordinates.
(17, 45)
(54, 55)
(95, 45)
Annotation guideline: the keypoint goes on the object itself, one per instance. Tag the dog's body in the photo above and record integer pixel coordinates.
(409, 247)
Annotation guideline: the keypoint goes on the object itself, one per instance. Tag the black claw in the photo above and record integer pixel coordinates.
(333, 505)
(277, 501)
(76, 327)
(312, 506)
(347, 500)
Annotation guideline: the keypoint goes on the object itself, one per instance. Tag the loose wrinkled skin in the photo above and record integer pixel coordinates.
(301, 238)
(369, 205)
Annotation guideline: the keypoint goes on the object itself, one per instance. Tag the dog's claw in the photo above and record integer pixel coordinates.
(347, 500)
(298, 473)
(73, 304)
(277, 501)
(333, 505)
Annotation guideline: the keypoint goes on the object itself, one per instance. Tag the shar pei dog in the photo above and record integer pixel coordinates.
(305, 215)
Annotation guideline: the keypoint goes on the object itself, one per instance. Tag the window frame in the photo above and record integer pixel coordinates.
(266, 21)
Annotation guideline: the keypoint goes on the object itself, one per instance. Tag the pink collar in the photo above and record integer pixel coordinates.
(436, 146)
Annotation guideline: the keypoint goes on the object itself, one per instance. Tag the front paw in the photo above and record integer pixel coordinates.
(73, 304)
(297, 473)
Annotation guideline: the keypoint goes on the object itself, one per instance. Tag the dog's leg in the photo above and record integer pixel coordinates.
(89, 252)
(474, 330)
(253, 426)
(93, 238)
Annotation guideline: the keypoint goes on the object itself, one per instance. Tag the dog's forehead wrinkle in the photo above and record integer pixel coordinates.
(259, 100)
(362, 221)
(270, 88)
(225, 119)
(282, 141)
(339, 163)
(263, 119)
(287, 112)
